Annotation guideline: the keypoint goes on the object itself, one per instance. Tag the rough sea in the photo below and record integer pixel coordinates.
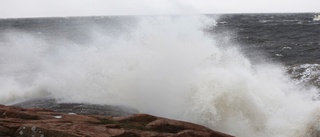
(242, 74)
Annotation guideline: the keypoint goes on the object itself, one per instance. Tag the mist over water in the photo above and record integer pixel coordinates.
(166, 66)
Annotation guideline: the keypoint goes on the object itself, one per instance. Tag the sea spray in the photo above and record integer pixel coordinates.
(166, 66)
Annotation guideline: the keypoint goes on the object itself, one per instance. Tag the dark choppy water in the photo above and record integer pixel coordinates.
(74, 29)
(288, 38)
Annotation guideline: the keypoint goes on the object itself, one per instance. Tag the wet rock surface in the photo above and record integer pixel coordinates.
(39, 122)
(78, 108)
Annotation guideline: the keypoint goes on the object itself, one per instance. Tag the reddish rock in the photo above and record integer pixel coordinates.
(36, 131)
(15, 121)
(5, 131)
(141, 118)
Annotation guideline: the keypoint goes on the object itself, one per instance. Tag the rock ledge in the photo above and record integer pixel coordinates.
(36, 122)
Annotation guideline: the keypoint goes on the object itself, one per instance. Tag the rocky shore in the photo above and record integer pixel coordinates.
(41, 122)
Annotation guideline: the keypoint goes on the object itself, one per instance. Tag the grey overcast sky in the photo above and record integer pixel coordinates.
(58, 8)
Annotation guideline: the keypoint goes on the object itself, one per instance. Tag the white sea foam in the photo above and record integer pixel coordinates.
(169, 67)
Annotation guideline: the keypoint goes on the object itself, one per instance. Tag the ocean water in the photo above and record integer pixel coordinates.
(243, 74)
